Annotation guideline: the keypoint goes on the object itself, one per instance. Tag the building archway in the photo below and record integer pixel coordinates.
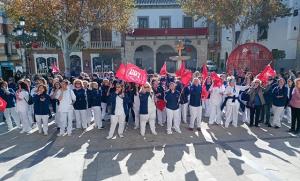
(163, 55)
(144, 57)
(75, 65)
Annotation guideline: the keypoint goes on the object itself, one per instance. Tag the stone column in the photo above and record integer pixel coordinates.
(154, 59)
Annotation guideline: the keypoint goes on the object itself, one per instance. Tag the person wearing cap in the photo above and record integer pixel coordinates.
(256, 101)
(80, 105)
(195, 105)
(159, 93)
(147, 109)
(104, 97)
(231, 101)
(216, 98)
(279, 101)
(119, 110)
(295, 107)
(184, 100)
(172, 108)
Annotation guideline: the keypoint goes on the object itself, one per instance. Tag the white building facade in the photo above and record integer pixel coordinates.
(282, 34)
(158, 26)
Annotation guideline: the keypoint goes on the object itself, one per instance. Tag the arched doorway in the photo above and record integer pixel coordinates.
(163, 55)
(190, 51)
(75, 65)
(144, 57)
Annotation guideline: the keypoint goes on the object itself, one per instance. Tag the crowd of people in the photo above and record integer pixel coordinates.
(99, 99)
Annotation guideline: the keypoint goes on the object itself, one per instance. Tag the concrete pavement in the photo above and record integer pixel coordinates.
(215, 153)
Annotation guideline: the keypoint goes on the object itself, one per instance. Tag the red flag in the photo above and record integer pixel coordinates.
(3, 104)
(186, 77)
(181, 70)
(54, 68)
(121, 72)
(266, 73)
(163, 70)
(216, 79)
(204, 72)
(135, 74)
(204, 94)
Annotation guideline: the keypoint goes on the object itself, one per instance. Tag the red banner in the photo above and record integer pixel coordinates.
(186, 77)
(181, 70)
(54, 68)
(3, 104)
(266, 73)
(204, 94)
(163, 70)
(132, 73)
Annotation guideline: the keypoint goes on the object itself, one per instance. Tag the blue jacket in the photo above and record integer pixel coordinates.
(172, 99)
(94, 97)
(144, 102)
(41, 104)
(184, 94)
(268, 92)
(10, 98)
(195, 98)
(80, 103)
(112, 101)
(277, 91)
(104, 97)
(159, 90)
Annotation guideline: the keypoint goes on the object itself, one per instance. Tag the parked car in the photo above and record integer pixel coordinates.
(211, 66)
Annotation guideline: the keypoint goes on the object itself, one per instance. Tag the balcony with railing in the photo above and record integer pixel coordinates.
(86, 45)
(144, 32)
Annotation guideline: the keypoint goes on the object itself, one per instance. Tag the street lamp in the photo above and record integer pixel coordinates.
(25, 39)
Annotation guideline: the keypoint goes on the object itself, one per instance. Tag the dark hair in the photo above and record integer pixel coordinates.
(44, 86)
(23, 85)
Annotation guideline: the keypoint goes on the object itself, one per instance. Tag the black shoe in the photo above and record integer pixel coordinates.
(291, 131)
(50, 117)
(57, 129)
(257, 125)
(250, 125)
(276, 127)
(102, 127)
(269, 125)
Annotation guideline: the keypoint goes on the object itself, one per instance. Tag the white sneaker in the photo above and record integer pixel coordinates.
(178, 130)
(40, 132)
(169, 132)
(69, 134)
(121, 136)
(155, 133)
(60, 134)
(22, 131)
(161, 124)
(136, 127)
(109, 137)
(45, 134)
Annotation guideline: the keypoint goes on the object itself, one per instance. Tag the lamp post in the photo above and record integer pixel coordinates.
(25, 39)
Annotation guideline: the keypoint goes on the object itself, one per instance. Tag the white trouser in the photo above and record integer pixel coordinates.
(288, 114)
(161, 116)
(136, 117)
(26, 126)
(42, 122)
(144, 118)
(114, 120)
(183, 112)
(246, 115)
(11, 113)
(206, 107)
(81, 118)
(196, 114)
(97, 116)
(103, 107)
(277, 111)
(66, 119)
(30, 114)
(173, 119)
(231, 114)
(57, 119)
(89, 115)
(215, 114)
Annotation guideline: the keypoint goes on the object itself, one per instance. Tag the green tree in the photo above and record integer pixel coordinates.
(68, 21)
(233, 13)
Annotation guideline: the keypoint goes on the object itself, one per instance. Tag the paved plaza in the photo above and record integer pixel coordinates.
(214, 154)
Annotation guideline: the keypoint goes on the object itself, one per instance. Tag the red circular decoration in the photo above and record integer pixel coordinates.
(251, 56)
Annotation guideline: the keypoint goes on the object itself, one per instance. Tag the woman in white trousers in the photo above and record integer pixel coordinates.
(66, 109)
(22, 96)
(147, 109)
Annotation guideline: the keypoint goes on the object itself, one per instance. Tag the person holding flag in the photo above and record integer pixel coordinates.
(159, 93)
(184, 100)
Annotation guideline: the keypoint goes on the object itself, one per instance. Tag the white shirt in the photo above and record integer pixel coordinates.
(119, 109)
(234, 91)
(151, 105)
(66, 104)
(216, 95)
(22, 101)
(55, 94)
(136, 102)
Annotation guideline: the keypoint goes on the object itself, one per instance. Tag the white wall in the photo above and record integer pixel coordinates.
(176, 15)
